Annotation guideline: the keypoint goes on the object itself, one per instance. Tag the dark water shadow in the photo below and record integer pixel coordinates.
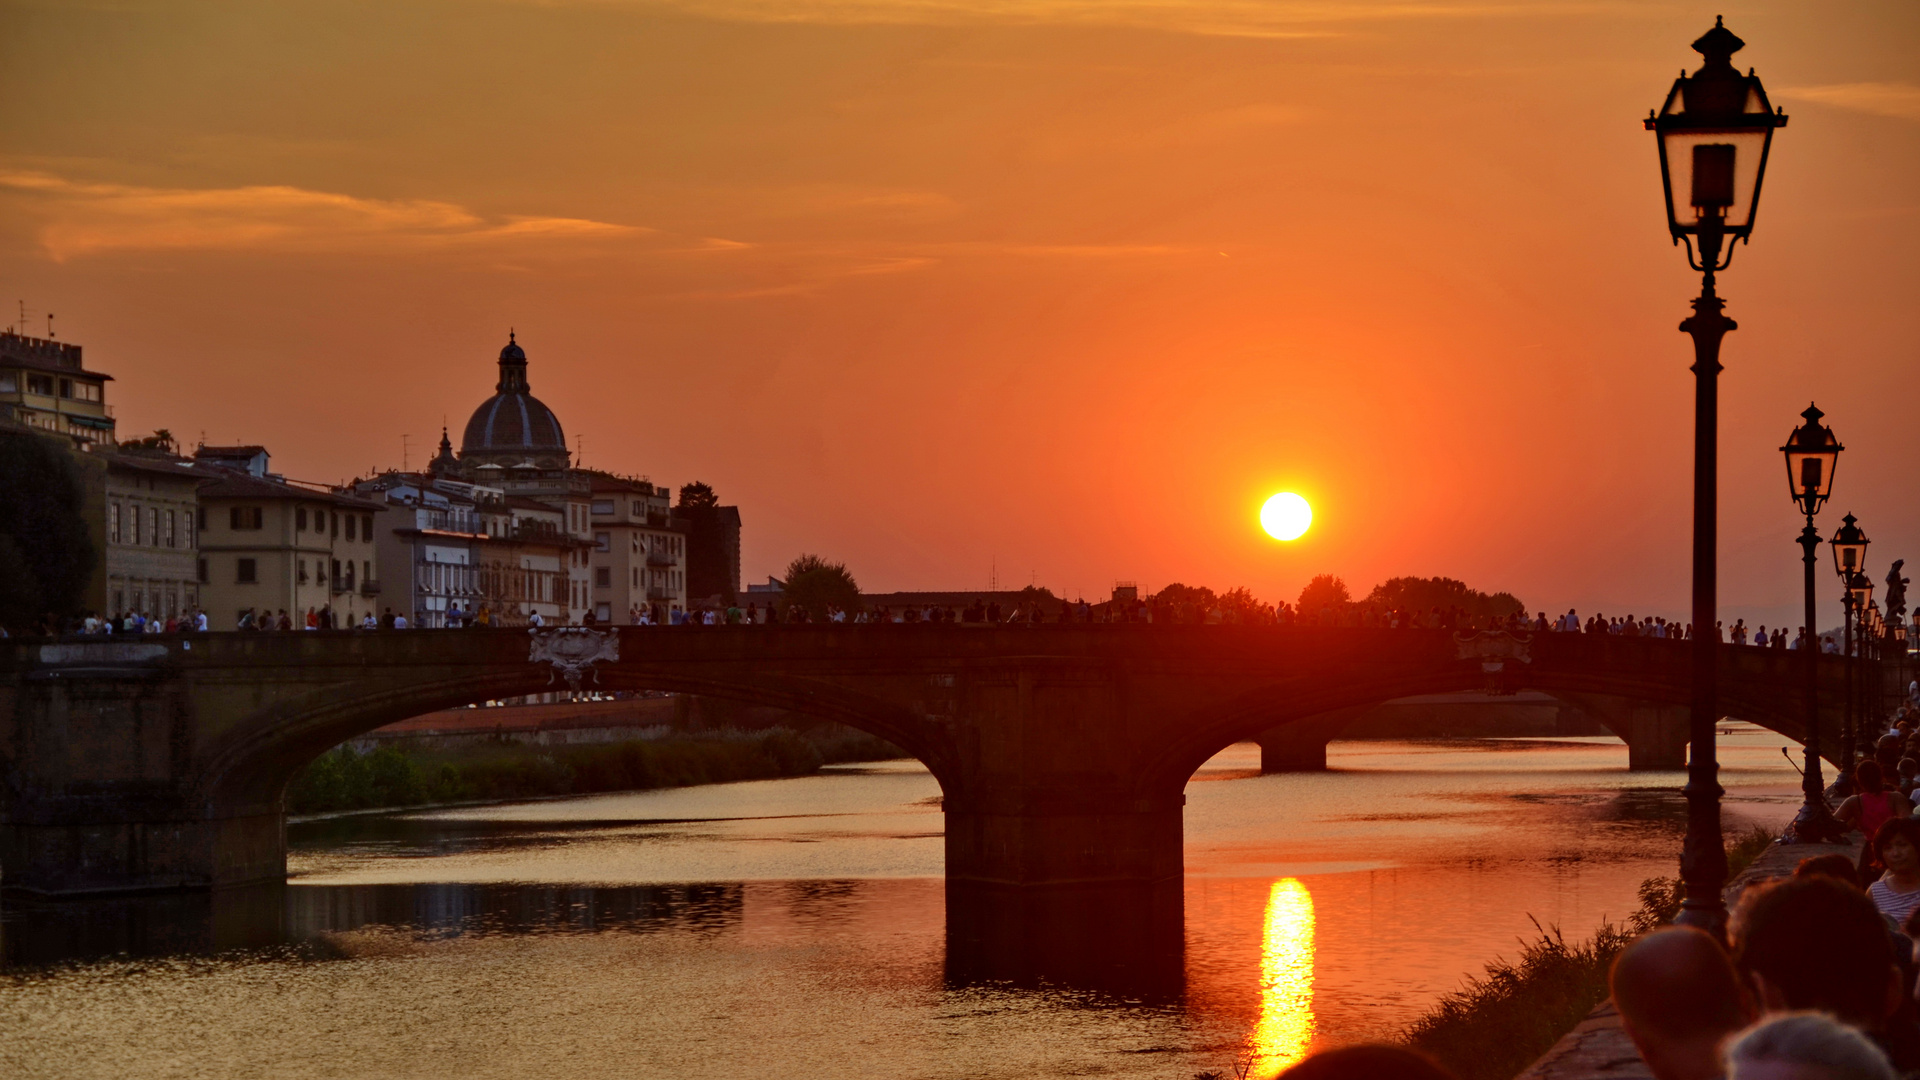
(1123, 943)
(37, 933)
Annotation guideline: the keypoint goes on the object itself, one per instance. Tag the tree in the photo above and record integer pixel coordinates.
(1416, 594)
(1240, 606)
(161, 440)
(1324, 591)
(709, 570)
(46, 549)
(813, 584)
(1185, 603)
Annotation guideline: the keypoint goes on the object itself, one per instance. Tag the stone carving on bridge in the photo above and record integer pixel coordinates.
(573, 650)
(1495, 649)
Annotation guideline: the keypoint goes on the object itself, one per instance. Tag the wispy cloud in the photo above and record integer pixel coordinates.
(1239, 18)
(79, 218)
(1898, 100)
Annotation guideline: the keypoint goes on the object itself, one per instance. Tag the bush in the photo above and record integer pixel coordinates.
(341, 779)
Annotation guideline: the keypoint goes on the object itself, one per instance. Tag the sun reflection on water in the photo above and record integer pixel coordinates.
(1286, 980)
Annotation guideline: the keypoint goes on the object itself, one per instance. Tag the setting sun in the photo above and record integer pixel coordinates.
(1286, 516)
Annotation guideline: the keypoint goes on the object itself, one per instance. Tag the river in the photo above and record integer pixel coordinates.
(798, 928)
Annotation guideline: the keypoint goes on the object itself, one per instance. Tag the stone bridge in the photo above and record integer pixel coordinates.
(1062, 750)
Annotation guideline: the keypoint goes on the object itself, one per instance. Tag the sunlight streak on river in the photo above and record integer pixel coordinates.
(1286, 980)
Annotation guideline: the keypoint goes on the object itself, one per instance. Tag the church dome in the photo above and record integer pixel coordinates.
(512, 419)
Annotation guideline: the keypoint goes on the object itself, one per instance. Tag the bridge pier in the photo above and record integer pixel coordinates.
(1302, 745)
(1655, 733)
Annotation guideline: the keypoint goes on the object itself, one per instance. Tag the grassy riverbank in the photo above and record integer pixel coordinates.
(1499, 1024)
(344, 780)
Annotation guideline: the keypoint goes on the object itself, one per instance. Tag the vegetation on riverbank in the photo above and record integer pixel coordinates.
(342, 779)
(1497, 1025)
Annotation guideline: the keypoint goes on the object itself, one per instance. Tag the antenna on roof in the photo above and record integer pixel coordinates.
(49, 326)
(403, 451)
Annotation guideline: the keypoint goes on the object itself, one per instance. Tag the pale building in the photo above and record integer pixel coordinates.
(639, 552)
(452, 547)
(270, 545)
(44, 385)
(149, 537)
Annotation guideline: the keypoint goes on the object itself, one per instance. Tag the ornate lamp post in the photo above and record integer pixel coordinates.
(1714, 130)
(1849, 555)
(1812, 451)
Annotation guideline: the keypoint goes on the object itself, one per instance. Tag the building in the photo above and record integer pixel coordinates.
(269, 545)
(148, 533)
(639, 551)
(617, 547)
(514, 444)
(44, 385)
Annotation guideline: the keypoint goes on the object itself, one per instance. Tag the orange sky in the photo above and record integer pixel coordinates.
(1068, 286)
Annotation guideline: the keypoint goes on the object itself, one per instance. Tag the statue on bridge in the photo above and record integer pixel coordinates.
(1896, 593)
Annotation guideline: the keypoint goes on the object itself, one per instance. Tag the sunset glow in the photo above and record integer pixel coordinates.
(939, 288)
(1286, 980)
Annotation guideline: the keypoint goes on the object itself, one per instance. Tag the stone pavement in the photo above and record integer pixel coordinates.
(1598, 1049)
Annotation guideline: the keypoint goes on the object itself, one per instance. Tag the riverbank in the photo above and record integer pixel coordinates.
(1497, 1025)
(345, 779)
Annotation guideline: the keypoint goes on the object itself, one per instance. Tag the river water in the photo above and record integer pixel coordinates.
(798, 928)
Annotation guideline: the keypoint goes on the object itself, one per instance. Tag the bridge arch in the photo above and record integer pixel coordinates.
(251, 770)
(1648, 710)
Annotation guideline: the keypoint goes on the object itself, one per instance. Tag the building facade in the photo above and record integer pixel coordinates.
(149, 536)
(638, 553)
(269, 546)
(44, 385)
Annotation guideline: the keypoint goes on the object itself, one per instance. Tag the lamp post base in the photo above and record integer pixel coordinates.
(1815, 824)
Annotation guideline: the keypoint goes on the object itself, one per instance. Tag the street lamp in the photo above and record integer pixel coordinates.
(1849, 545)
(1812, 451)
(1714, 131)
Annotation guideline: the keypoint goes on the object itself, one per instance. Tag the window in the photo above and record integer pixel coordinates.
(200, 571)
(336, 569)
(187, 520)
(639, 509)
(243, 518)
(113, 524)
(246, 571)
(87, 391)
(603, 577)
(153, 525)
(300, 519)
(603, 613)
(40, 384)
(603, 541)
(346, 582)
(350, 526)
(366, 570)
(303, 571)
(173, 529)
(366, 527)
(66, 388)
(603, 506)
(9, 383)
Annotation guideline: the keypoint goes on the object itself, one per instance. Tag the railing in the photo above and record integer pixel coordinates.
(662, 558)
(659, 592)
(370, 588)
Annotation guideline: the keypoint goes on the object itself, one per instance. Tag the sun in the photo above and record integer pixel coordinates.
(1286, 516)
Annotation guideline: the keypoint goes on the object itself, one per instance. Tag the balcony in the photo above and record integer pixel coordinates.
(659, 592)
(656, 557)
(369, 588)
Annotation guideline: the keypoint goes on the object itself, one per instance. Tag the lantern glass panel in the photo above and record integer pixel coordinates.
(1712, 171)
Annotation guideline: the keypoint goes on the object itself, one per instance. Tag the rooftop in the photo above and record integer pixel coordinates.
(43, 354)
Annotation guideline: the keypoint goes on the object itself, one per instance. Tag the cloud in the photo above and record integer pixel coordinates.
(1898, 100)
(79, 219)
